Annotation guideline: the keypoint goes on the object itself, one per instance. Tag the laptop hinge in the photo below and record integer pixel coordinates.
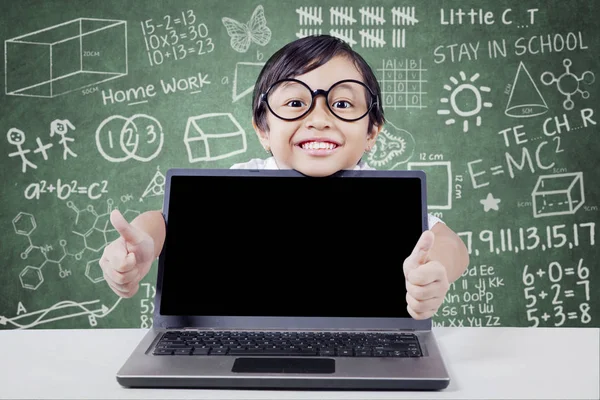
(195, 328)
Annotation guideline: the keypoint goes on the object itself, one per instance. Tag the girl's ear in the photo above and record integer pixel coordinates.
(372, 136)
(263, 136)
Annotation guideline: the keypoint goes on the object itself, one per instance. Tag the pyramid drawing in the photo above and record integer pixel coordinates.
(156, 187)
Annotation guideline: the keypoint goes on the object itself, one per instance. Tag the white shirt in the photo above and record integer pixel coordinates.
(270, 163)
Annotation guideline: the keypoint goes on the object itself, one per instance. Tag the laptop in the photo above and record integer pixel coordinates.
(269, 279)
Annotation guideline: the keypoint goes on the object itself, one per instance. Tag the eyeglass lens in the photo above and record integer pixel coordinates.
(348, 100)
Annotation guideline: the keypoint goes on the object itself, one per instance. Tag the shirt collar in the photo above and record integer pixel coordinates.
(270, 163)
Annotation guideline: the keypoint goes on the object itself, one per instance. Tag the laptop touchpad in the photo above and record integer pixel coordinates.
(284, 365)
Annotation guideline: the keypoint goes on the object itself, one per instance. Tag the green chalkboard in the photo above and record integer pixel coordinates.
(495, 100)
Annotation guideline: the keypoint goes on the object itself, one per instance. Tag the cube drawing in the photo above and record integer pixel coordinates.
(558, 194)
(65, 57)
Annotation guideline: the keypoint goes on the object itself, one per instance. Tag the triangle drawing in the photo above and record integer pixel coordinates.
(244, 78)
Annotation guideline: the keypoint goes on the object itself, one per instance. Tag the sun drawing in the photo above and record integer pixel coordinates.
(470, 101)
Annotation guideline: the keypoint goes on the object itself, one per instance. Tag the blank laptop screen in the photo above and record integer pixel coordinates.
(289, 246)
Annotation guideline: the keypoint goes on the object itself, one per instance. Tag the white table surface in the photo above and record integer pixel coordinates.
(484, 363)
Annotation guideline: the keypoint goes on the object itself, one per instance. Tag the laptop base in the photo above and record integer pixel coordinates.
(146, 370)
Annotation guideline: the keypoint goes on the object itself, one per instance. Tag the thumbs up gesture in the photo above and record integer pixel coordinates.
(426, 279)
(127, 259)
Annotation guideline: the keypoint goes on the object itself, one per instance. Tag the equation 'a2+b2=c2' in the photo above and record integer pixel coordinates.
(64, 190)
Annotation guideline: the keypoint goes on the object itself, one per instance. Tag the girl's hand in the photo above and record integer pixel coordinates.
(127, 259)
(426, 280)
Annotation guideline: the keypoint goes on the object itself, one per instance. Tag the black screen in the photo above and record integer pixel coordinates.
(289, 246)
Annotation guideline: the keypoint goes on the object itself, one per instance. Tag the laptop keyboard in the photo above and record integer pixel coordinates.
(324, 344)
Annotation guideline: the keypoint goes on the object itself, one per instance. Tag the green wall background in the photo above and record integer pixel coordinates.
(495, 100)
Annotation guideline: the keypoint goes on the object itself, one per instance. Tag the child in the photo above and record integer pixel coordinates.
(316, 109)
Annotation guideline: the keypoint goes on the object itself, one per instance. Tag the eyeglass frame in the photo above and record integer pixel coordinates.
(315, 93)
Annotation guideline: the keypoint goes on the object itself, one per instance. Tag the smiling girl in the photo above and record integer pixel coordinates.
(316, 109)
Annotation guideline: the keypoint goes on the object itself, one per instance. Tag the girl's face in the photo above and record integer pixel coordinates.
(319, 144)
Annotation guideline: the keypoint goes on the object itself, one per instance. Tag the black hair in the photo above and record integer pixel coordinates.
(304, 55)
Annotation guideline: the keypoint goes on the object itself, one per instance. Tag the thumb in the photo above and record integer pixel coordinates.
(420, 254)
(131, 234)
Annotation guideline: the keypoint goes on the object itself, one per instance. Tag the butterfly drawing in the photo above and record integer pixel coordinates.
(243, 34)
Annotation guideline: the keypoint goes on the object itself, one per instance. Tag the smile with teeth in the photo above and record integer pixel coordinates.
(318, 146)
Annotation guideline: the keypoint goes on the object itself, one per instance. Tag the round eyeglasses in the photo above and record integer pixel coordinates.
(291, 99)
